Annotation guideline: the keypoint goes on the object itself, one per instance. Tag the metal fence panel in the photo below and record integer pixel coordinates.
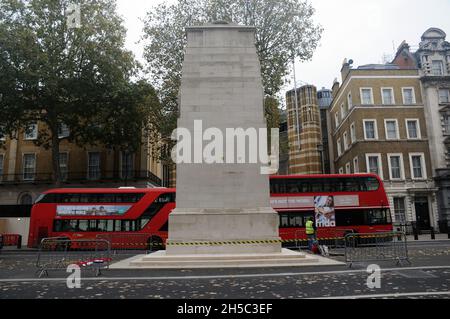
(57, 254)
(376, 247)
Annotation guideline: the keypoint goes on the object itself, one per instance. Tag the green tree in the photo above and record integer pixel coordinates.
(54, 74)
(284, 30)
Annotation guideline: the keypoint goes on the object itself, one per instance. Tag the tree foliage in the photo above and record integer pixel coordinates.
(53, 74)
(284, 30)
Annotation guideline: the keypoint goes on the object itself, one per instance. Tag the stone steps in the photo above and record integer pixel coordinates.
(160, 260)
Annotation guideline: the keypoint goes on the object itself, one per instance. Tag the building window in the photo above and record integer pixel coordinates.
(341, 171)
(336, 119)
(29, 167)
(349, 101)
(356, 165)
(31, 132)
(63, 165)
(366, 96)
(345, 141)
(26, 199)
(444, 96)
(387, 95)
(2, 134)
(348, 168)
(408, 96)
(413, 129)
(339, 147)
(446, 118)
(391, 127)
(417, 162)
(63, 131)
(373, 162)
(93, 165)
(352, 133)
(399, 210)
(437, 68)
(370, 130)
(343, 114)
(2, 159)
(127, 165)
(395, 162)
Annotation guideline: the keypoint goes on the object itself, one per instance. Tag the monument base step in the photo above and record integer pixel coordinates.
(160, 260)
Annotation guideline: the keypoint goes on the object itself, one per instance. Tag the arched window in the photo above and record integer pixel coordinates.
(26, 199)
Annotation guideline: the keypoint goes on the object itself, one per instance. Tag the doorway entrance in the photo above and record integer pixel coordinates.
(422, 213)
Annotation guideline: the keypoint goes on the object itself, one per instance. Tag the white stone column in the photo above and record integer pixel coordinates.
(222, 86)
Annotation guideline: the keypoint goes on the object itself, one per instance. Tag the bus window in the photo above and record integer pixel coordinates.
(83, 225)
(293, 186)
(109, 225)
(277, 186)
(126, 225)
(352, 185)
(316, 186)
(101, 226)
(371, 184)
(376, 217)
(284, 221)
(349, 218)
(117, 225)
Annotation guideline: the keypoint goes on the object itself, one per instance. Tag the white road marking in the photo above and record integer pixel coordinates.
(223, 276)
(405, 294)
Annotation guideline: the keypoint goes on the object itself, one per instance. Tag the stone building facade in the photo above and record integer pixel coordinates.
(378, 125)
(306, 157)
(324, 98)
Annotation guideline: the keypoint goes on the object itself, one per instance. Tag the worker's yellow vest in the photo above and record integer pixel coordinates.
(309, 227)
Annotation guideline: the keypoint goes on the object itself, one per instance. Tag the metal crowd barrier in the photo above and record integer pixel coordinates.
(376, 247)
(127, 242)
(57, 254)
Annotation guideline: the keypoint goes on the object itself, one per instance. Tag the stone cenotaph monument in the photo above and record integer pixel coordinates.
(221, 86)
(223, 216)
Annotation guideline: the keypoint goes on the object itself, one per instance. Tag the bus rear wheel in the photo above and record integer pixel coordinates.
(155, 243)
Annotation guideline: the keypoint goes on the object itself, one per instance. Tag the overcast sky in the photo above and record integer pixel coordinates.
(363, 30)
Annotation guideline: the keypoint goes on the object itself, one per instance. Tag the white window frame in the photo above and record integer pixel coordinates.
(2, 138)
(89, 177)
(23, 167)
(341, 171)
(392, 95)
(343, 114)
(348, 168)
(65, 130)
(442, 67)
(413, 95)
(339, 147)
(121, 165)
(380, 162)
(353, 133)
(336, 119)
(345, 137)
(356, 165)
(448, 95)
(402, 166)
(375, 128)
(397, 133)
(419, 133)
(371, 95)
(423, 164)
(67, 166)
(29, 137)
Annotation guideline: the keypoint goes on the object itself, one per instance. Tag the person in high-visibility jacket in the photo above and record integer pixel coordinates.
(310, 232)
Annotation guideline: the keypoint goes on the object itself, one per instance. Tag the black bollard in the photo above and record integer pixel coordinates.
(416, 234)
(19, 242)
(433, 236)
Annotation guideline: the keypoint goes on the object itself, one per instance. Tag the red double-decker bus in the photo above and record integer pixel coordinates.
(339, 204)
